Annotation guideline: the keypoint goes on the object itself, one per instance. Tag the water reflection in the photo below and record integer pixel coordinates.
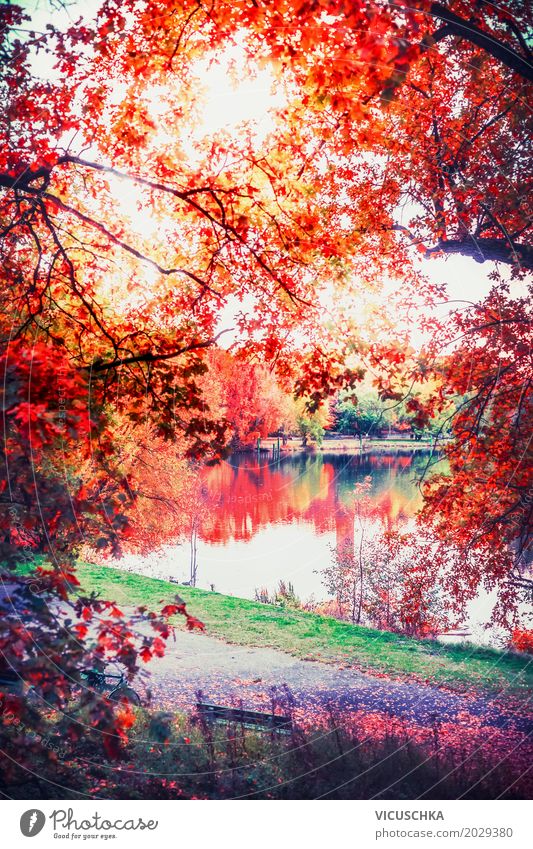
(260, 521)
(249, 493)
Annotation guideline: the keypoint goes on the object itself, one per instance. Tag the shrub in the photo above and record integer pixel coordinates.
(522, 640)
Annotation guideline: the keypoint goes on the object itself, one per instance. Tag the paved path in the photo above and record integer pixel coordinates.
(227, 674)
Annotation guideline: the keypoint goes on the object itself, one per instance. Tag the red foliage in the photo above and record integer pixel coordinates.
(88, 341)
(522, 640)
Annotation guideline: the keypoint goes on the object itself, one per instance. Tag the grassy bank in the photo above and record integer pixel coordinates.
(313, 637)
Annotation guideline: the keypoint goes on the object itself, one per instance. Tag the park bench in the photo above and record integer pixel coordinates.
(250, 718)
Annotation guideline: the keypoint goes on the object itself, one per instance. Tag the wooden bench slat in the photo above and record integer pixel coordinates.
(222, 713)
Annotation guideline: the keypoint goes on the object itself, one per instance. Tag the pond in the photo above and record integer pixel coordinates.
(264, 520)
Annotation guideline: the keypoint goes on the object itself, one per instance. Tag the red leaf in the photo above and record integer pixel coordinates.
(194, 624)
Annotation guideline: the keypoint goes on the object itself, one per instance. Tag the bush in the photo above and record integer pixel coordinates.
(284, 596)
(522, 640)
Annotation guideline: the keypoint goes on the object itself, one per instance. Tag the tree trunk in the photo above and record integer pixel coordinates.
(194, 563)
(358, 621)
(454, 25)
(497, 250)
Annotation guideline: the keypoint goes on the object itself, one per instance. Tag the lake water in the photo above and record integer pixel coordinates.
(262, 521)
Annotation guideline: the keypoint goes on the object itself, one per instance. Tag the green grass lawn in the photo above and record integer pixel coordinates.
(313, 637)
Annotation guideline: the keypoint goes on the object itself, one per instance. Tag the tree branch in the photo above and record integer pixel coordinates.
(151, 357)
(455, 25)
(497, 250)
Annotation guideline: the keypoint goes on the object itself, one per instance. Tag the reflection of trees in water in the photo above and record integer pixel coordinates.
(250, 493)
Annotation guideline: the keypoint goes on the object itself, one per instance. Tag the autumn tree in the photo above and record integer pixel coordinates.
(311, 425)
(52, 499)
(126, 230)
(247, 397)
(484, 507)
(362, 415)
(437, 94)
(386, 577)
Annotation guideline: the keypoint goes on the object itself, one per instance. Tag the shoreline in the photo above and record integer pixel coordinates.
(313, 636)
(346, 445)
